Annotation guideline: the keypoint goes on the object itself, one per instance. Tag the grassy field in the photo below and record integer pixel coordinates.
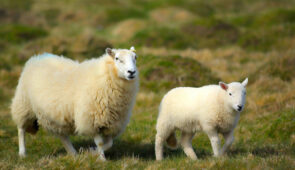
(179, 43)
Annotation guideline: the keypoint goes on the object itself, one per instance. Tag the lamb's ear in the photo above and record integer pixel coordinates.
(110, 52)
(245, 82)
(223, 85)
(132, 49)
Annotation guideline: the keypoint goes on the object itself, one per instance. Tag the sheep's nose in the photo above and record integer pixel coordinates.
(131, 72)
(240, 107)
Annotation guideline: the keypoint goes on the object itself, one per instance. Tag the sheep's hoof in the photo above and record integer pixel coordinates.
(101, 157)
(194, 158)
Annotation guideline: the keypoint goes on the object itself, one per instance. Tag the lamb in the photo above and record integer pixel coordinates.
(213, 109)
(93, 98)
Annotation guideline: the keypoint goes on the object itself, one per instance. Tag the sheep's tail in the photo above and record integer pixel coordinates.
(171, 141)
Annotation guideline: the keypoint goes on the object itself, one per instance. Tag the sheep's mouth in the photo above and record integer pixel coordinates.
(131, 77)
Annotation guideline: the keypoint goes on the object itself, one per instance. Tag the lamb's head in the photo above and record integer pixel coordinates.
(235, 94)
(125, 62)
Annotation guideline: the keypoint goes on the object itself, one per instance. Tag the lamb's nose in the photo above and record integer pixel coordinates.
(240, 107)
(131, 72)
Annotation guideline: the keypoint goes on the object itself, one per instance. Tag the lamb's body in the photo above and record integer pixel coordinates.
(67, 97)
(201, 106)
(191, 110)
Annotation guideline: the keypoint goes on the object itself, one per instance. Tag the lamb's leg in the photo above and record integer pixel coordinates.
(229, 138)
(68, 145)
(21, 142)
(215, 142)
(99, 147)
(186, 143)
(159, 147)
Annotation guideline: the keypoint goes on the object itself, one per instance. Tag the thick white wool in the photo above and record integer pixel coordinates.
(67, 97)
(195, 109)
(214, 109)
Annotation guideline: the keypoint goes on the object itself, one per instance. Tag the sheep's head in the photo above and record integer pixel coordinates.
(125, 62)
(235, 94)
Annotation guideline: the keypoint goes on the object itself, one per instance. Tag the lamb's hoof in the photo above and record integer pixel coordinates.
(159, 159)
(22, 155)
(217, 156)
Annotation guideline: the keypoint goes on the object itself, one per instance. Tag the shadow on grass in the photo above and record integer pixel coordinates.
(263, 151)
(122, 149)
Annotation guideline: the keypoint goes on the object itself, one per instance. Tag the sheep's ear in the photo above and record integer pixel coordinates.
(223, 85)
(132, 49)
(245, 82)
(110, 52)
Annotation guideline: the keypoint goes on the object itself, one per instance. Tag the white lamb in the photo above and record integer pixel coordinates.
(93, 98)
(213, 109)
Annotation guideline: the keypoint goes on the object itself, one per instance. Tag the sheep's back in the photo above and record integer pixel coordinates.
(48, 82)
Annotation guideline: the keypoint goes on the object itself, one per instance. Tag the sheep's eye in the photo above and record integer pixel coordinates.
(117, 58)
(230, 94)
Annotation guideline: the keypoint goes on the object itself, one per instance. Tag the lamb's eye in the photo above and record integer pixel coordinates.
(117, 58)
(230, 94)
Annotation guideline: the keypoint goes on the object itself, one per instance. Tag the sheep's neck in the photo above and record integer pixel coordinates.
(119, 94)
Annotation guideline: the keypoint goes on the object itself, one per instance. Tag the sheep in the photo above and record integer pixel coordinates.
(213, 109)
(92, 98)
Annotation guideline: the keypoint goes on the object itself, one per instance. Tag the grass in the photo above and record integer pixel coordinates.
(171, 72)
(20, 33)
(179, 43)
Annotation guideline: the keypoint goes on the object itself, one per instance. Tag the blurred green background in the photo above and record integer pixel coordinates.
(179, 43)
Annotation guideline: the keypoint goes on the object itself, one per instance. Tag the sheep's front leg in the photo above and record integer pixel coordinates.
(229, 138)
(215, 142)
(107, 143)
(21, 142)
(100, 147)
(68, 145)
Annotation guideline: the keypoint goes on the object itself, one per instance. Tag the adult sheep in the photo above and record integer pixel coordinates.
(213, 109)
(93, 98)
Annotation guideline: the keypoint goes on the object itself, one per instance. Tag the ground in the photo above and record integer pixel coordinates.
(179, 43)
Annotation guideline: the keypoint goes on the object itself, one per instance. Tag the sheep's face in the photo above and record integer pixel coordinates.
(235, 94)
(125, 62)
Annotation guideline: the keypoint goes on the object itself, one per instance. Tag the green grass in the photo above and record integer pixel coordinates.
(219, 40)
(21, 33)
(171, 72)
(282, 67)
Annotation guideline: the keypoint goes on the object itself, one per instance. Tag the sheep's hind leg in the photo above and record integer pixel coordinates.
(68, 145)
(186, 143)
(100, 147)
(21, 142)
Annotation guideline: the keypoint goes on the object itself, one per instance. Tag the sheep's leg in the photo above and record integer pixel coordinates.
(186, 143)
(107, 143)
(99, 147)
(229, 138)
(68, 145)
(215, 142)
(21, 142)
